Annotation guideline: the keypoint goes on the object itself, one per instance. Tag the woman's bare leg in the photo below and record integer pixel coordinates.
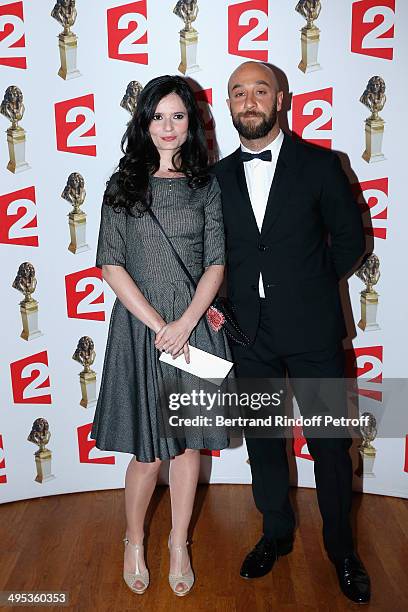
(140, 482)
(183, 477)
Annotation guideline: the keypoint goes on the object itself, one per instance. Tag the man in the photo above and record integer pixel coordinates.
(281, 198)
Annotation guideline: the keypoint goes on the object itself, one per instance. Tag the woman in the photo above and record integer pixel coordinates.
(164, 167)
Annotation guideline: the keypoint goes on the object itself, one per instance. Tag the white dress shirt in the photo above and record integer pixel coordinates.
(259, 176)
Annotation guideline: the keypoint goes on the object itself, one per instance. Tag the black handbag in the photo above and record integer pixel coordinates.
(220, 315)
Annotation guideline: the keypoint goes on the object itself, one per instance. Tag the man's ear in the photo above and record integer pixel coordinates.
(228, 103)
(280, 100)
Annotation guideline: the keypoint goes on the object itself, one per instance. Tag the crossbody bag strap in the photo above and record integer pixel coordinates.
(176, 255)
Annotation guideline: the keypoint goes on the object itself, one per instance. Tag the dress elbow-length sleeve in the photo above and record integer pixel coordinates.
(111, 247)
(214, 237)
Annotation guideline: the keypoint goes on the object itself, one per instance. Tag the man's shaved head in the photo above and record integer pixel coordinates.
(255, 70)
(254, 100)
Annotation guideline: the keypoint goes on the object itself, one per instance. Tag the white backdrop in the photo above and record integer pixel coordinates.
(38, 378)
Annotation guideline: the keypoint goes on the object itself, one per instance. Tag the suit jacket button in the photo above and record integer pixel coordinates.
(254, 287)
(262, 247)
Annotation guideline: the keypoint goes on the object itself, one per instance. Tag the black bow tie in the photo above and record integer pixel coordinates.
(264, 155)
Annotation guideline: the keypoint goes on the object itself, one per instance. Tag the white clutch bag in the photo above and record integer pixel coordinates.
(202, 364)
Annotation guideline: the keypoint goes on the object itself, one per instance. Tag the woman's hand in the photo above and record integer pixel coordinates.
(186, 351)
(173, 338)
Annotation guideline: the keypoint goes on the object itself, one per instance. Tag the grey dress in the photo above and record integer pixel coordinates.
(128, 412)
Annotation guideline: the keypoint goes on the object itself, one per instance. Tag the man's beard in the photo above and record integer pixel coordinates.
(252, 131)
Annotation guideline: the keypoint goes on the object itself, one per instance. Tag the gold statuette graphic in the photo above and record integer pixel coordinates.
(370, 274)
(85, 355)
(74, 192)
(129, 100)
(26, 282)
(366, 449)
(12, 107)
(310, 35)
(187, 10)
(374, 98)
(65, 13)
(40, 434)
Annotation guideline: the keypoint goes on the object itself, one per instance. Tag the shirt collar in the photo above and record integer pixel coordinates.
(273, 146)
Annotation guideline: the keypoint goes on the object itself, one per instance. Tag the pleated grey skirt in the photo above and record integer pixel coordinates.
(130, 410)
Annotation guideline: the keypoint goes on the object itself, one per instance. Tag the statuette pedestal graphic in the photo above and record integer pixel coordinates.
(16, 140)
(369, 306)
(43, 464)
(68, 46)
(88, 388)
(77, 230)
(188, 48)
(29, 317)
(374, 132)
(367, 457)
(310, 39)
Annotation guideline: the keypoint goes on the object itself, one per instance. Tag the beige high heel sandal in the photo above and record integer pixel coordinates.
(130, 577)
(179, 577)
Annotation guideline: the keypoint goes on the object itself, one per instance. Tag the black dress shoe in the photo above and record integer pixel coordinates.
(353, 579)
(284, 545)
(260, 560)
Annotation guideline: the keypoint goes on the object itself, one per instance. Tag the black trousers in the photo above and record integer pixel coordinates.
(268, 458)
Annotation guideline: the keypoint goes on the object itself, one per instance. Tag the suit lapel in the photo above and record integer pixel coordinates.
(242, 202)
(281, 185)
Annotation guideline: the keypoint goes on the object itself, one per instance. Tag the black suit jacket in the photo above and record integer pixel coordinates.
(310, 200)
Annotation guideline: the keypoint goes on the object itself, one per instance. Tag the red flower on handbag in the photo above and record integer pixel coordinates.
(215, 318)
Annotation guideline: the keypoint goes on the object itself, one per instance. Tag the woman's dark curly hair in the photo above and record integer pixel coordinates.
(141, 157)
